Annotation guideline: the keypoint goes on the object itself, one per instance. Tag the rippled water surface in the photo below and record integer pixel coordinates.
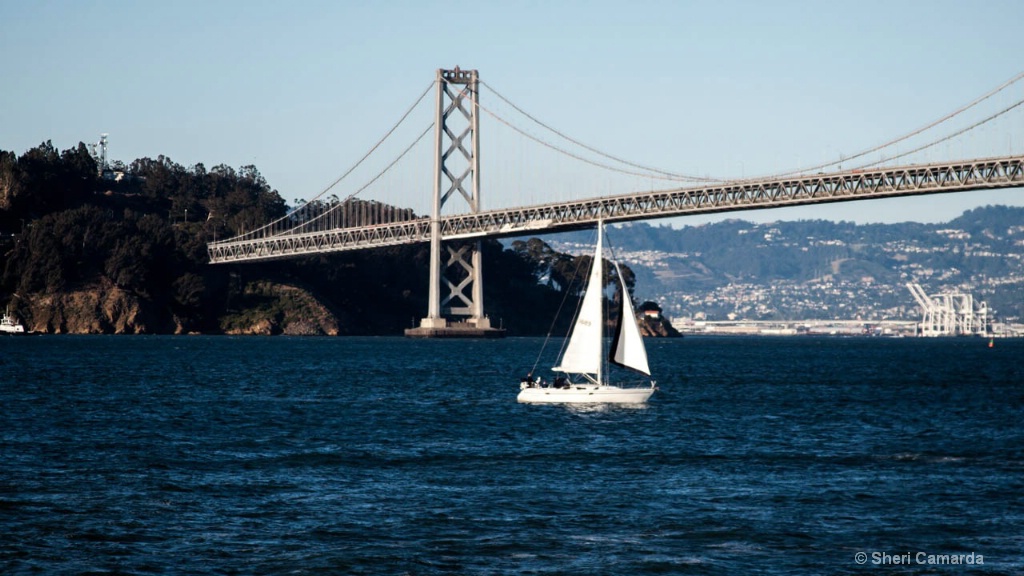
(218, 455)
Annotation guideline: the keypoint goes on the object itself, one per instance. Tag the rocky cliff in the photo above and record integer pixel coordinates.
(657, 328)
(100, 308)
(103, 308)
(272, 308)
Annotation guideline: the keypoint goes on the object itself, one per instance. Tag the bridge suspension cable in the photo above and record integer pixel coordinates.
(950, 136)
(377, 145)
(920, 130)
(304, 227)
(666, 175)
(649, 172)
(263, 230)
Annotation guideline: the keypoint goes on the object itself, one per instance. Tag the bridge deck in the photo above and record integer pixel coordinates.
(987, 173)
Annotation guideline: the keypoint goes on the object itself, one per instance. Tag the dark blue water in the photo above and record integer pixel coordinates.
(218, 455)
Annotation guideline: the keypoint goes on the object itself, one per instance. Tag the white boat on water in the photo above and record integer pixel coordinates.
(10, 325)
(585, 379)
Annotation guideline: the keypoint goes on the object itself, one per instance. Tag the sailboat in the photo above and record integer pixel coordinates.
(583, 359)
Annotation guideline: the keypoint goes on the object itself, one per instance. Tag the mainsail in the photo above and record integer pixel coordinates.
(628, 345)
(583, 353)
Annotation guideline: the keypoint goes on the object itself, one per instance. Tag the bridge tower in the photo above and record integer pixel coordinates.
(456, 175)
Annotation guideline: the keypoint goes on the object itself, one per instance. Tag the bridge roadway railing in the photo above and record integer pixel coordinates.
(987, 173)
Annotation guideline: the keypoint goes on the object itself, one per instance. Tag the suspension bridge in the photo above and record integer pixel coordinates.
(456, 222)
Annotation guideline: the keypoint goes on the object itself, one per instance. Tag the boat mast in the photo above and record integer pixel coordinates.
(599, 263)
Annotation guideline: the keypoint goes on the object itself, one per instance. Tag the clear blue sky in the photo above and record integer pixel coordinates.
(302, 89)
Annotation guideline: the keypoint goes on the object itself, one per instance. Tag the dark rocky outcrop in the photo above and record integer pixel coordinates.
(273, 308)
(100, 308)
(657, 328)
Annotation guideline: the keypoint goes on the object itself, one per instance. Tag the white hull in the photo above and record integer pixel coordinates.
(585, 394)
(9, 325)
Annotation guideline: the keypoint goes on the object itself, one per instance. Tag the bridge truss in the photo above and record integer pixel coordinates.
(844, 186)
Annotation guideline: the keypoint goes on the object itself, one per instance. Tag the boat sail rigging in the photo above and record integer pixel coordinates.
(584, 354)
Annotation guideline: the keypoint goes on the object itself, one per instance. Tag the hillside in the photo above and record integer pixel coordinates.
(123, 251)
(824, 270)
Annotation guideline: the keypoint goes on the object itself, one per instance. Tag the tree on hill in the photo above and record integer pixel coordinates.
(43, 180)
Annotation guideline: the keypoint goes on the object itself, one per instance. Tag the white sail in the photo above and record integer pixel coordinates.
(628, 348)
(583, 354)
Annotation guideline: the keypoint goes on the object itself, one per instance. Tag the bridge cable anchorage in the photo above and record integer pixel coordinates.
(270, 225)
(933, 124)
(666, 175)
(949, 137)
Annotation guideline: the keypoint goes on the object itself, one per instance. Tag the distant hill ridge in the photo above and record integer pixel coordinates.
(809, 268)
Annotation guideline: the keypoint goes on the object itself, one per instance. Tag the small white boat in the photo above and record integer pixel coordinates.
(582, 362)
(10, 325)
